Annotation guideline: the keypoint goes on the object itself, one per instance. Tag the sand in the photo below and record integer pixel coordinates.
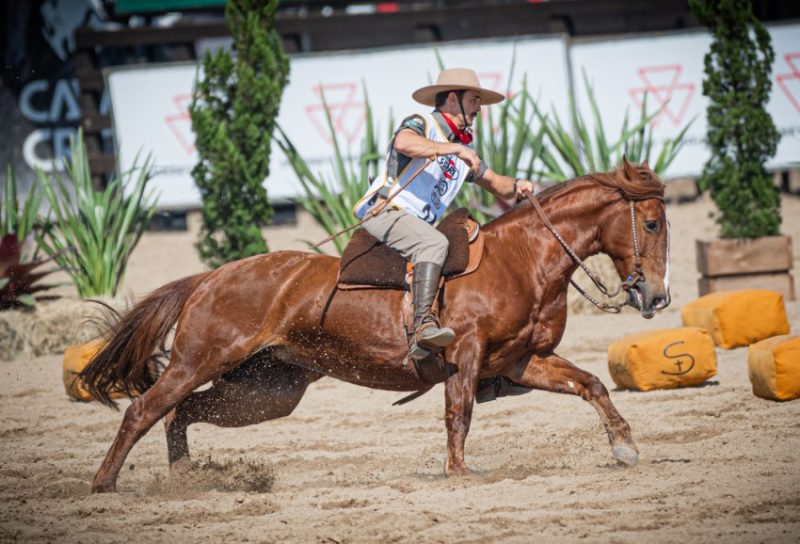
(717, 463)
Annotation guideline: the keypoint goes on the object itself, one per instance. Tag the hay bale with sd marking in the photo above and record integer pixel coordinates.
(663, 359)
(774, 367)
(738, 318)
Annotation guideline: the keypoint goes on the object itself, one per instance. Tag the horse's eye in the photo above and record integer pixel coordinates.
(651, 226)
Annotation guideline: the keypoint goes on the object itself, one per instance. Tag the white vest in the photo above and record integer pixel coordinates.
(431, 192)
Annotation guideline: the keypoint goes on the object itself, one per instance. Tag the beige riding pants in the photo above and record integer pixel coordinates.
(413, 238)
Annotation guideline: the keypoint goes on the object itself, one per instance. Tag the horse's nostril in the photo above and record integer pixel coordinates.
(660, 302)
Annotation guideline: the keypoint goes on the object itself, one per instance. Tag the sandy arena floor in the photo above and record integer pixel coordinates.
(717, 463)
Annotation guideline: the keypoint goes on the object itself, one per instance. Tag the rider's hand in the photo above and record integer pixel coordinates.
(470, 156)
(523, 187)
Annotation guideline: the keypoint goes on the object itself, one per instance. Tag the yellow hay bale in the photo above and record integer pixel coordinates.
(75, 360)
(774, 367)
(663, 359)
(738, 318)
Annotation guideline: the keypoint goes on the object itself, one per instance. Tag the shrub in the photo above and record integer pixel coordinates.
(233, 116)
(741, 133)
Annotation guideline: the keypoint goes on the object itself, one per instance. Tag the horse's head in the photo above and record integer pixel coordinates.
(636, 236)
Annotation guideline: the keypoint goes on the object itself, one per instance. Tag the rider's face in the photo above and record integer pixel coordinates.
(471, 101)
(472, 106)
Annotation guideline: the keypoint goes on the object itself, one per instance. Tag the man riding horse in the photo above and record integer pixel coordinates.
(444, 137)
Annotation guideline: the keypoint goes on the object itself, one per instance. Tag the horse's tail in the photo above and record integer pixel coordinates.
(128, 363)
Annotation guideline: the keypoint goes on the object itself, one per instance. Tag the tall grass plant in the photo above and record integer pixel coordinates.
(20, 221)
(331, 201)
(565, 156)
(91, 233)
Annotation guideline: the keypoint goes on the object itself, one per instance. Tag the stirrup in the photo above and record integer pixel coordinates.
(417, 352)
(490, 389)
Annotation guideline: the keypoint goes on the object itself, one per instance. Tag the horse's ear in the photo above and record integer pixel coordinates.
(645, 165)
(629, 170)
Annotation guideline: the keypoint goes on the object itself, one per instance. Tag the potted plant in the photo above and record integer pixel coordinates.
(742, 136)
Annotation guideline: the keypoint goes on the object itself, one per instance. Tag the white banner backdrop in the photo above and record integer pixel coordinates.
(149, 104)
(669, 68)
(784, 104)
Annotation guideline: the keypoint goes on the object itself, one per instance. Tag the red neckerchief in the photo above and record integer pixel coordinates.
(464, 137)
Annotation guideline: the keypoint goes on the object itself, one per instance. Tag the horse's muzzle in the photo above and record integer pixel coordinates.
(639, 297)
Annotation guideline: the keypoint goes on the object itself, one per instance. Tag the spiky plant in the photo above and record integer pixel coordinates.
(331, 202)
(20, 281)
(92, 232)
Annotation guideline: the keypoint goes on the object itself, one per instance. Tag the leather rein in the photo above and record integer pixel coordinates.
(638, 273)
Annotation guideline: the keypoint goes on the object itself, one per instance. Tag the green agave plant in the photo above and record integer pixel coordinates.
(565, 157)
(93, 232)
(331, 202)
(20, 222)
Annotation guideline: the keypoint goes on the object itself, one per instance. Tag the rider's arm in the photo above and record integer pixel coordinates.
(409, 143)
(506, 186)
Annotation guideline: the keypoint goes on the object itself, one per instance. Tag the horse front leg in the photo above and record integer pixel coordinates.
(556, 374)
(459, 397)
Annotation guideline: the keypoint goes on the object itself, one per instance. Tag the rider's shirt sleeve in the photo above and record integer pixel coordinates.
(415, 123)
(472, 178)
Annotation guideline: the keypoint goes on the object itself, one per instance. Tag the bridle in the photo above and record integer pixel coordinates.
(627, 285)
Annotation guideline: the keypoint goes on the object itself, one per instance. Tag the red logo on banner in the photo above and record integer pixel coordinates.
(492, 81)
(661, 84)
(347, 113)
(794, 76)
(181, 123)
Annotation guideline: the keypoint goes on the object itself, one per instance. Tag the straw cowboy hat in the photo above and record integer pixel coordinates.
(456, 79)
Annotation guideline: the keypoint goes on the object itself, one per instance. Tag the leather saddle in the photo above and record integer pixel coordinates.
(367, 263)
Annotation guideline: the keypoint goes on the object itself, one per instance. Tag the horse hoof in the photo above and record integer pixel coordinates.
(180, 466)
(625, 454)
(460, 470)
(104, 488)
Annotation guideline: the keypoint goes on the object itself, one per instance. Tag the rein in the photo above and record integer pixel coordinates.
(377, 209)
(638, 274)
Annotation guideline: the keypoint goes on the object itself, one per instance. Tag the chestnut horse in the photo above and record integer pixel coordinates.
(263, 328)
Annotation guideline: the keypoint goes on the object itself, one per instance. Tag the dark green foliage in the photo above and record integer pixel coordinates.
(741, 134)
(233, 117)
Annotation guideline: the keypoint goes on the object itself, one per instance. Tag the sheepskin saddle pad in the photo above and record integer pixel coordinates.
(366, 262)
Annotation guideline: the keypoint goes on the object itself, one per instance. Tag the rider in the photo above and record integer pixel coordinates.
(406, 225)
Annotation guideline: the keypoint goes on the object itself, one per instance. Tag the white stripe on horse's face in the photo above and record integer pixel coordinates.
(666, 267)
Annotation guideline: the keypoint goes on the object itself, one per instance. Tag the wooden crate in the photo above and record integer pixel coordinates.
(734, 257)
(761, 263)
(782, 282)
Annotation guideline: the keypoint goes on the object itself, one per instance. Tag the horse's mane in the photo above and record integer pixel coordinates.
(633, 181)
(640, 182)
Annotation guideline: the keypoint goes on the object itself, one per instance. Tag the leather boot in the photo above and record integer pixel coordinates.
(429, 336)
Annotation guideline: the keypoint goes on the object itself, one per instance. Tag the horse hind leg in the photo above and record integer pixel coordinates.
(553, 373)
(259, 390)
(174, 385)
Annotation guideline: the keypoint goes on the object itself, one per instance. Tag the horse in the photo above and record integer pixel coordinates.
(263, 328)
